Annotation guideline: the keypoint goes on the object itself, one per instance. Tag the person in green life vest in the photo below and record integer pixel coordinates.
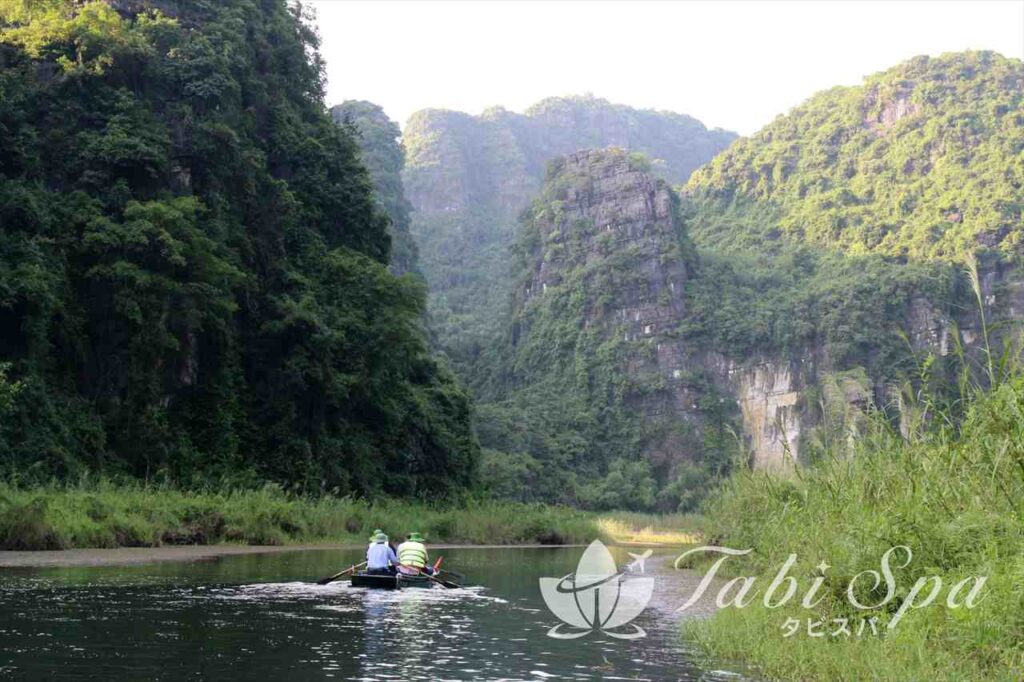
(412, 555)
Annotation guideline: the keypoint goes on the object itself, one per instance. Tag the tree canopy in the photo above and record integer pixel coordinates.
(193, 265)
(923, 161)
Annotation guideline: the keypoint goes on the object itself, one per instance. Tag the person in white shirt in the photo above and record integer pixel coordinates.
(380, 558)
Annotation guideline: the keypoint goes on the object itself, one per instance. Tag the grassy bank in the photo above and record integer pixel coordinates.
(955, 497)
(103, 514)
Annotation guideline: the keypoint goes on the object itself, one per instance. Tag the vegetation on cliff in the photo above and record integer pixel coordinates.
(578, 407)
(384, 157)
(922, 161)
(827, 233)
(193, 280)
(853, 310)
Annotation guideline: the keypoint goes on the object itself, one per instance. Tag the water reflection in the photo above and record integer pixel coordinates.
(253, 618)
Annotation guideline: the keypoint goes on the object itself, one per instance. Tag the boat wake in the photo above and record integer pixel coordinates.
(304, 591)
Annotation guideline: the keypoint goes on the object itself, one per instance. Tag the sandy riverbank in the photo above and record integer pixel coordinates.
(673, 588)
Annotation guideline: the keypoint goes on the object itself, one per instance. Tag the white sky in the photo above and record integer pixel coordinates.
(734, 65)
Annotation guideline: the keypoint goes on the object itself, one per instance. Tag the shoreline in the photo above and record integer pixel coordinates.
(127, 556)
(130, 556)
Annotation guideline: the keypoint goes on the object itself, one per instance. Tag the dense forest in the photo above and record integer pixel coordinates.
(207, 277)
(194, 280)
(823, 226)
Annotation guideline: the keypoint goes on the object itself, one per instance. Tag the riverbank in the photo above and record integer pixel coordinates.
(105, 515)
(129, 556)
(955, 497)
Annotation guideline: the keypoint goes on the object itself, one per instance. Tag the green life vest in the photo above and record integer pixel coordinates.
(412, 554)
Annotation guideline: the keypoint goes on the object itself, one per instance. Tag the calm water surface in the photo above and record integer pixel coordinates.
(257, 617)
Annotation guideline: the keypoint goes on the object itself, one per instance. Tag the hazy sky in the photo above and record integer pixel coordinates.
(735, 65)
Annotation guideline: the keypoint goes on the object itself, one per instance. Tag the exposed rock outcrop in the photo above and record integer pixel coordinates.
(769, 395)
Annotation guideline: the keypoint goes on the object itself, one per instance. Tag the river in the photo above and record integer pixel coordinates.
(259, 616)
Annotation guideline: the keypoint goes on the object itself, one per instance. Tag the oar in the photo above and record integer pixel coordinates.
(449, 585)
(324, 581)
(459, 578)
(455, 576)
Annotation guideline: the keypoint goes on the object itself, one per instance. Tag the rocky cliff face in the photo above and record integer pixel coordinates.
(469, 177)
(599, 302)
(789, 400)
(611, 235)
(769, 397)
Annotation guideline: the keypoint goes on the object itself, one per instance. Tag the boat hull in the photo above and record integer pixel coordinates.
(415, 581)
(390, 582)
(378, 582)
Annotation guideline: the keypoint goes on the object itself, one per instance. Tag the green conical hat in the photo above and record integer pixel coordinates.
(380, 537)
(375, 533)
(415, 537)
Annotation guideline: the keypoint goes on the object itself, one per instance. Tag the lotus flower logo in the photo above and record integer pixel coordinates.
(596, 597)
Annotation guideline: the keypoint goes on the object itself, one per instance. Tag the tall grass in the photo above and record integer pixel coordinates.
(959, 505)
(951, 488)
(107, 514)
(654, 529)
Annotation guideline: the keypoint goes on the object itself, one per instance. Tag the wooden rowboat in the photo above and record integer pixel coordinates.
(390, 582)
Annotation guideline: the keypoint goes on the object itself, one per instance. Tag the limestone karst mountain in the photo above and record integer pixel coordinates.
(468, 177)
(775, 325)
(836, 238)
(193, 280)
